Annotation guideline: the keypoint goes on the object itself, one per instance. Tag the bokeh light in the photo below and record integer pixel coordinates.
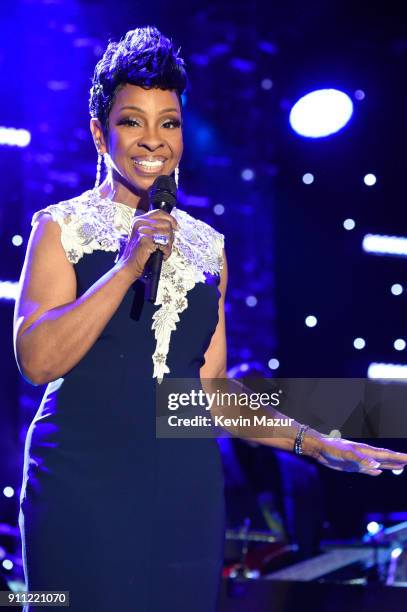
(321, 113)
(349, 224)
(267, 84)
(17, 240)
(308, 178)
(399, 344)
(247, 174)
(359, 95)
(370, 180)
(396, 289)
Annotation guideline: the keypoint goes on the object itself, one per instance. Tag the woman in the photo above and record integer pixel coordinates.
(120, 519)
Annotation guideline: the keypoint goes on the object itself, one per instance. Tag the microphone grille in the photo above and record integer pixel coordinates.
(164, 189)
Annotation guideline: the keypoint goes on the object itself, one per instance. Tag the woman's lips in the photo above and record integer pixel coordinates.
(147, 165)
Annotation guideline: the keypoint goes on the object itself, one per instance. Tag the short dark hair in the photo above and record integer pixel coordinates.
(143, 57)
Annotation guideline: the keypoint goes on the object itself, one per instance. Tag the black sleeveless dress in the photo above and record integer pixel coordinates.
(119, 518)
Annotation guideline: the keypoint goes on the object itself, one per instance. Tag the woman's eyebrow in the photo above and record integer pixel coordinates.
(141, 110)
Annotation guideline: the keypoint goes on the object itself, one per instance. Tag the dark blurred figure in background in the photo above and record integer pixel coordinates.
(276, 490)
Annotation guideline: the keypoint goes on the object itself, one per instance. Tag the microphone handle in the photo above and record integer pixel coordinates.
(152, 274)
(152, 270)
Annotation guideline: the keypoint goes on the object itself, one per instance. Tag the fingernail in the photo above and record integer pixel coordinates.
(374, 464)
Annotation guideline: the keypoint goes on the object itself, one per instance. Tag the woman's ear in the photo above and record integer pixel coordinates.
(98, 136)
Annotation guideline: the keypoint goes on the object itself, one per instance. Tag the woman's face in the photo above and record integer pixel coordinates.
(144, 138)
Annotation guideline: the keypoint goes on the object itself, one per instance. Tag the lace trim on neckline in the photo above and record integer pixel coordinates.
(97, 197)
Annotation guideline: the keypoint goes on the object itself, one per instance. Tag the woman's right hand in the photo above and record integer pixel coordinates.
(140, 244)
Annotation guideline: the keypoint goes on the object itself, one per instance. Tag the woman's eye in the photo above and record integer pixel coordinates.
(131, 122)
(172, 123)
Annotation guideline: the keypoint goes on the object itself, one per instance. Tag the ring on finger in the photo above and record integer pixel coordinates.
(160, 239)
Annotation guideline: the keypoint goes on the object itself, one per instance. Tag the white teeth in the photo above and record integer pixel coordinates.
(149, 164)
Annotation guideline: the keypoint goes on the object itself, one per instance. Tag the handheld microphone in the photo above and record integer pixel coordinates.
(162, 196)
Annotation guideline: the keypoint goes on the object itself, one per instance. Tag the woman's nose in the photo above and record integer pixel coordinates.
(151, 140)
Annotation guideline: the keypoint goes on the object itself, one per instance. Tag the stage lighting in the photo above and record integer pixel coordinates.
(308, 178)
(359, 95)
(335, 433)
(8, 491)
(13, 137)
(321, 113)
(218, 209)
(273, 364)
(391, 371)
(7, 564)
(385, 245)
(373, 527)
(396, 289)
(251, 300)
(359, 343)
(311, 321)
(267, 84)
(8, 290)
(247, 174)
(370, 180)
(17, 240)
(399, 344)
(349, 224)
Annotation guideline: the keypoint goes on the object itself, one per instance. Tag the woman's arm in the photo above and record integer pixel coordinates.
(336, 454)
(215, 356)
(52, 329)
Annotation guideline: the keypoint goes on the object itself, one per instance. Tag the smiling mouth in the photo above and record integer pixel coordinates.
(148, 165)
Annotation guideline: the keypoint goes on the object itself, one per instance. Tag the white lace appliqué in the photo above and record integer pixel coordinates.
(89, 223)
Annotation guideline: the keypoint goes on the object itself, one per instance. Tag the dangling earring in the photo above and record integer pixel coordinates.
(98, 171)
(176, 176)
(98, 166)
(107, 162)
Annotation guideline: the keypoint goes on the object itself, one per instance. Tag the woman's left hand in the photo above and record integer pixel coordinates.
(349, 456)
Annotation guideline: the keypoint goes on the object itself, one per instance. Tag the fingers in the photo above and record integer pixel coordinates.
(366, 463)
(389, 460)
(147, 243)
(150, 230)
(384, 453)
(159, 219)
(350, 457)
(164, 229)
(155, 222)
(140, 244)
(371, 464)
(341, 467)
(162, 215)
(371, 472)
(160, 226)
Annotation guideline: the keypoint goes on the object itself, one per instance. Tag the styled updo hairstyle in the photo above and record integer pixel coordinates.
(143, 57)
